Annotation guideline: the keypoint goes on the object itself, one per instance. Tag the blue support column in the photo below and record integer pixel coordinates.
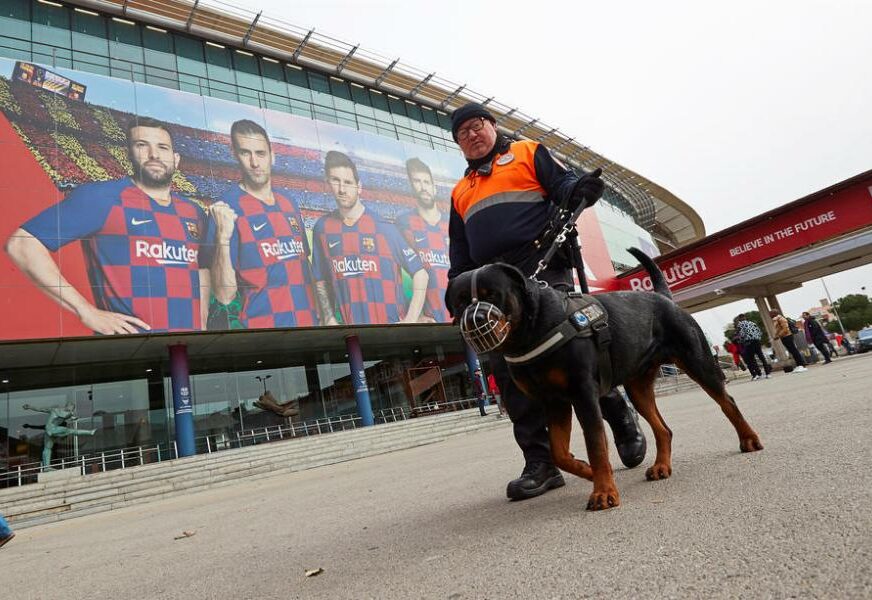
(479, 384)
(183, 407)
(358, 380)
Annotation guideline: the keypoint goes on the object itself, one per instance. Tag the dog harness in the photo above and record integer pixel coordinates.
(585, 317)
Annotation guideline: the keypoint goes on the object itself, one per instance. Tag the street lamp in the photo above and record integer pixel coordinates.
(263, 380)
(835, 312)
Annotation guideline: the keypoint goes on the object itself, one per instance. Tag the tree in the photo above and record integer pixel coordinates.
(855, 311)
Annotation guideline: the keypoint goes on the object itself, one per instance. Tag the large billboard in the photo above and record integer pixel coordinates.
(147, 209)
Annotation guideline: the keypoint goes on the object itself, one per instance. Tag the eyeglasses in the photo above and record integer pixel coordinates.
(474, 127)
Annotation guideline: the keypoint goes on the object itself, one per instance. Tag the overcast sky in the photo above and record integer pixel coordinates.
(736, 108)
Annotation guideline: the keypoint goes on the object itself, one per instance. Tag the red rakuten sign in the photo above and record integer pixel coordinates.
(786, 230)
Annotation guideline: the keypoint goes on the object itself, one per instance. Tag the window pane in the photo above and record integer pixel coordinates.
(296, 77)
(157, 41)
(397, 106)
(360, 96)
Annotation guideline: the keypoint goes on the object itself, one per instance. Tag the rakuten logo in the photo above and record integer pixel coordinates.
(434, 259)
(281, 250)
(350, 267)
(165, 253)
(675, 273)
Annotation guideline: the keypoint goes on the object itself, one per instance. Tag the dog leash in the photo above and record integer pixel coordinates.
(569, 219)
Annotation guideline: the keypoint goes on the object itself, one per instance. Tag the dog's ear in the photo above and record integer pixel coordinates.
(454, 292)
(525, 290)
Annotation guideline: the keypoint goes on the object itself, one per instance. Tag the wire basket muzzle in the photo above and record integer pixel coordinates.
(484, 327)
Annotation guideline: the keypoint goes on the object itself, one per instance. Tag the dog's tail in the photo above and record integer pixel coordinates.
(657, 278)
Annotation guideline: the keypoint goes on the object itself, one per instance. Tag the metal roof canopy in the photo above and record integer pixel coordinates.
(223, 22)
(28, 363)
(784, 272)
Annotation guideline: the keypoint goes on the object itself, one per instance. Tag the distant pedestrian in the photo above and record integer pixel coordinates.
(494, 390)
(6, 532)
(750, 336)
(479, 392)
(736, 352)
(784, 331)
(814, 334)
(846, 344)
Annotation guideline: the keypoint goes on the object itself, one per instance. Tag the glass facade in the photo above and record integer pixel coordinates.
(130, 406)
(62, 36)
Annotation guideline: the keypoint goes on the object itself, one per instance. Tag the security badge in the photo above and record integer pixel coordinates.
(584, 318)
(505, 159)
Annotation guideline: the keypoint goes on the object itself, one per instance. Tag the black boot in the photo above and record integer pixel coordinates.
(621, 417)
(536, 479)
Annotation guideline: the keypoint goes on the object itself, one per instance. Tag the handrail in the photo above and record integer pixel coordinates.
(134, 456)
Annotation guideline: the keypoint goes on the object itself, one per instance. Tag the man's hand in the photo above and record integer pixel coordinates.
(225, 221)
(588, 190)
(110, 323)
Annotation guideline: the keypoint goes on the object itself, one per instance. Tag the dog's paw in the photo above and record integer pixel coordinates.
(603, 500)
(658, 471)
(750, 443)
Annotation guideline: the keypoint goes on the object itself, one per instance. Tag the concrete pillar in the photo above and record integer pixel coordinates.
(183, 407)
(777, 346)
(774, 304)
(358, 380)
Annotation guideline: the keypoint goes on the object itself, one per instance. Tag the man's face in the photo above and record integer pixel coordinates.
(255, 158)
(152, 155)
(345, 188)
(476, 144)
(423, 187)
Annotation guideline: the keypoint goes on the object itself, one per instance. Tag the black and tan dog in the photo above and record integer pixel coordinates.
(646, 329)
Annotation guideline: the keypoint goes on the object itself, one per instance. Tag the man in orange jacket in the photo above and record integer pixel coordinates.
(507, 198)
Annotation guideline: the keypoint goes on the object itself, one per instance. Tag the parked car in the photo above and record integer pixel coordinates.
(864, 340)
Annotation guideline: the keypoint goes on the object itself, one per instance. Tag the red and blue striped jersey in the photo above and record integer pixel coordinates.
(269, 252)
(431, 242)
(142, 257)
(362, 262)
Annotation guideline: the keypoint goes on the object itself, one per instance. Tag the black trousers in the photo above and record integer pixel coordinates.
(790, 346)
(752, 351)
(821, 345)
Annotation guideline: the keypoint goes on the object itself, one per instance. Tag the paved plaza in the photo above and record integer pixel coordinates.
(793, 521)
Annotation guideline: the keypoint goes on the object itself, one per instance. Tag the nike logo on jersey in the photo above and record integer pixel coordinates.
(258, 227)
(135, 221)
(333, 244)
(419, 240)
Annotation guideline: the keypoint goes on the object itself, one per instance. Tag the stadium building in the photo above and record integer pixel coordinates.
(86, 84)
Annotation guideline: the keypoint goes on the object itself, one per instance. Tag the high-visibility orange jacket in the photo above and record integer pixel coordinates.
(495, 215)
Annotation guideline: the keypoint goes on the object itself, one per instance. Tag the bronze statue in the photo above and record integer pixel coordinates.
(56, 427)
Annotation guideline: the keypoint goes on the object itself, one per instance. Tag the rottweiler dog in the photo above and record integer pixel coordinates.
(647, 330)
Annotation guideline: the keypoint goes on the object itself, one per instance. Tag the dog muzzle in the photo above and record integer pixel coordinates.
(484, 326)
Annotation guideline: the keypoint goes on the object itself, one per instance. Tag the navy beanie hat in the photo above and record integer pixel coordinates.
(467, 112)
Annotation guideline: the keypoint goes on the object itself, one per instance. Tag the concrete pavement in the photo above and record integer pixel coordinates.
(792, 521)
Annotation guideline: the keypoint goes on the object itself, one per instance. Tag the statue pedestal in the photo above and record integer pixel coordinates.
(58, 475)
